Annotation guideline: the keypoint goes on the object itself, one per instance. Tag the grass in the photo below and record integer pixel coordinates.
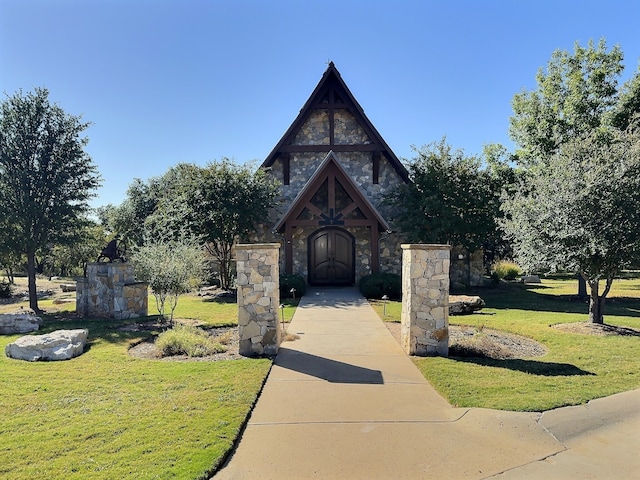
(578, 368)
(106, 415)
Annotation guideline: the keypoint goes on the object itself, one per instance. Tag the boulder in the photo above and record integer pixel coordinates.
(464, 304)
(58, 345)
(24, 321)
(531, 279)
(68, 287)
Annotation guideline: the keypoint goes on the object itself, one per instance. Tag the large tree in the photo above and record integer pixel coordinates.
(452, 198)
(219, 204)
(228, 202)
(581, 212)
(577, 96)
(46, 177)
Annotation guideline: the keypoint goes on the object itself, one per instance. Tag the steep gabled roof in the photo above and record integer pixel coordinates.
(330, 169)
(331, 92)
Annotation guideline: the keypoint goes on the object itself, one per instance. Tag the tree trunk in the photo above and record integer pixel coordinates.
(596, 302)
(31, 275)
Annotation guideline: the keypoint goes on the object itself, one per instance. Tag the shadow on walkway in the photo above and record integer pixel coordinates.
(326, 369)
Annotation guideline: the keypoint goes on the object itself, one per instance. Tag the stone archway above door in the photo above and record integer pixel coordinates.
(331, 199)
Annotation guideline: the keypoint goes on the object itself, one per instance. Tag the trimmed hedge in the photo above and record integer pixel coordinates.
(289, 281)
(378, 284)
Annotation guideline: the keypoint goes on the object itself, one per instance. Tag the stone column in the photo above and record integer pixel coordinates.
(258, 298)
(110, 291)
(425, 299)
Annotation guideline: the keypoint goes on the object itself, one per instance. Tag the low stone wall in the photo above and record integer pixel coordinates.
(425, 299)
(258, 298)
(467, 269)
(110, 290)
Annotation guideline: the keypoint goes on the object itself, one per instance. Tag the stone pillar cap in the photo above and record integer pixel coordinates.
(425, 246)
(253, 246)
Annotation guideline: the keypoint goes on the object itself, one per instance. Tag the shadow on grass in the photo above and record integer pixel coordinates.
(530, 297)
(533, 367)
(108, 330)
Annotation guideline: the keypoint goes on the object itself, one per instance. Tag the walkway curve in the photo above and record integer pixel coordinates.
(344, 402)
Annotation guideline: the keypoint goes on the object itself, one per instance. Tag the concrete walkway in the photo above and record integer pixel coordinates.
(344, 402)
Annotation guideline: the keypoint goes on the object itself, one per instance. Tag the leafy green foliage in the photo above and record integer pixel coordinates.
(289, 281)
(506, 270)
(227, 203)
(70, 259)
(576, 133)
(581, 212)
(188, 340)
(171, 268)
(220, 204)
(452, 199)
(575, 97)
(46, 177)
(378, 284)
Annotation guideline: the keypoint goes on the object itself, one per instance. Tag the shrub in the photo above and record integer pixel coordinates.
(289, 281)
(5, 289)
(378, 284)
(187, 340)
(171, 268)
(507, 270)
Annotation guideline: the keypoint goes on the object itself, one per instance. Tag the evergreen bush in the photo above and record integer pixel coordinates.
(289, 281)
(378, 284)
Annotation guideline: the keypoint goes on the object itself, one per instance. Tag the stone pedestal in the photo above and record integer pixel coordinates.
(258, 298)
(110, 291)
(425, 299)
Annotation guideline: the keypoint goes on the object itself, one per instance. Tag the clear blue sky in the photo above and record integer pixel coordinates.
(193, 81)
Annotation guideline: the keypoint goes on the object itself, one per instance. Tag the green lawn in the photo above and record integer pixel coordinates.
(107, 415)
(577, 368)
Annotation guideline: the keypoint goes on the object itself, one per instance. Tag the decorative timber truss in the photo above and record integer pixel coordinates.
(331, 198)
(330, 96)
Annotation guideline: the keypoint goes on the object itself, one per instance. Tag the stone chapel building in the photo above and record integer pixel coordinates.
(335, 169)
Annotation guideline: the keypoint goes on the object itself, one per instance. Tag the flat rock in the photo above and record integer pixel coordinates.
(57, 345)
(464, 304)
(530, 279)
(19, 322)
(68, 287)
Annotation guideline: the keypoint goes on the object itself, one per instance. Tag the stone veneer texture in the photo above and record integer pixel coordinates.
(258, 298)
(110, 290)
(359, 167)
(425, 299)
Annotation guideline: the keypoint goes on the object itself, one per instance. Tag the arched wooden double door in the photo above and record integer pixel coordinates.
(331, 257)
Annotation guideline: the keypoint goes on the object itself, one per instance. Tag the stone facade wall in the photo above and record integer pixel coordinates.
(258, 298)
(360, 169)
(425, 299)
(110, 290)
(347, 129)
(467, 270)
